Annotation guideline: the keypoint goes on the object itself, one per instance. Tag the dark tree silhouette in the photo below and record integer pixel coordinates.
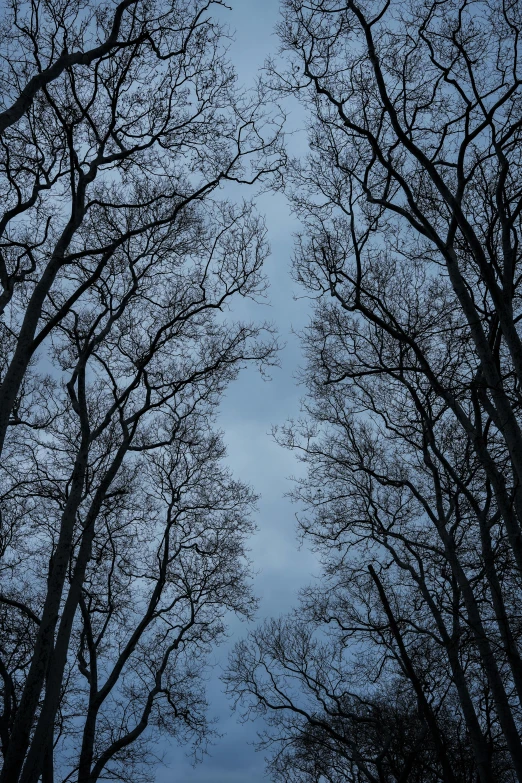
(411, 202)
(122, 534)
(330, 720)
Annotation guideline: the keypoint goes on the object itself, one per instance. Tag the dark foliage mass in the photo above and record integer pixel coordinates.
(122, 534)
(404, 662)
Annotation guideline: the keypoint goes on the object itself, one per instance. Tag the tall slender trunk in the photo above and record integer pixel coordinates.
(35, 755)
(45, 638)
(424, 705)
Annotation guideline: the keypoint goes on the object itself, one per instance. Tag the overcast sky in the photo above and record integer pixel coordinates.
(251, 407)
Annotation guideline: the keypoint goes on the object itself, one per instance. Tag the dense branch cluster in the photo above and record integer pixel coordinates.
(122, 533)
(411, 203)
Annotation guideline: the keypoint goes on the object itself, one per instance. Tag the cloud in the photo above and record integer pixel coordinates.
(249, 410)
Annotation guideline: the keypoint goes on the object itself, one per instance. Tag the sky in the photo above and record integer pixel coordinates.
(251, 407)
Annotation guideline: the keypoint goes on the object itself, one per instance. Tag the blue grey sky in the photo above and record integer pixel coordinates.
(251, 407)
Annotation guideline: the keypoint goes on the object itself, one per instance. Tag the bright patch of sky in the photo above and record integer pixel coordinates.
(249, 410)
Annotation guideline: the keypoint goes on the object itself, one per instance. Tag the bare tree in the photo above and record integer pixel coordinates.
(122, 535)
(334, 716)
(411, 203)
